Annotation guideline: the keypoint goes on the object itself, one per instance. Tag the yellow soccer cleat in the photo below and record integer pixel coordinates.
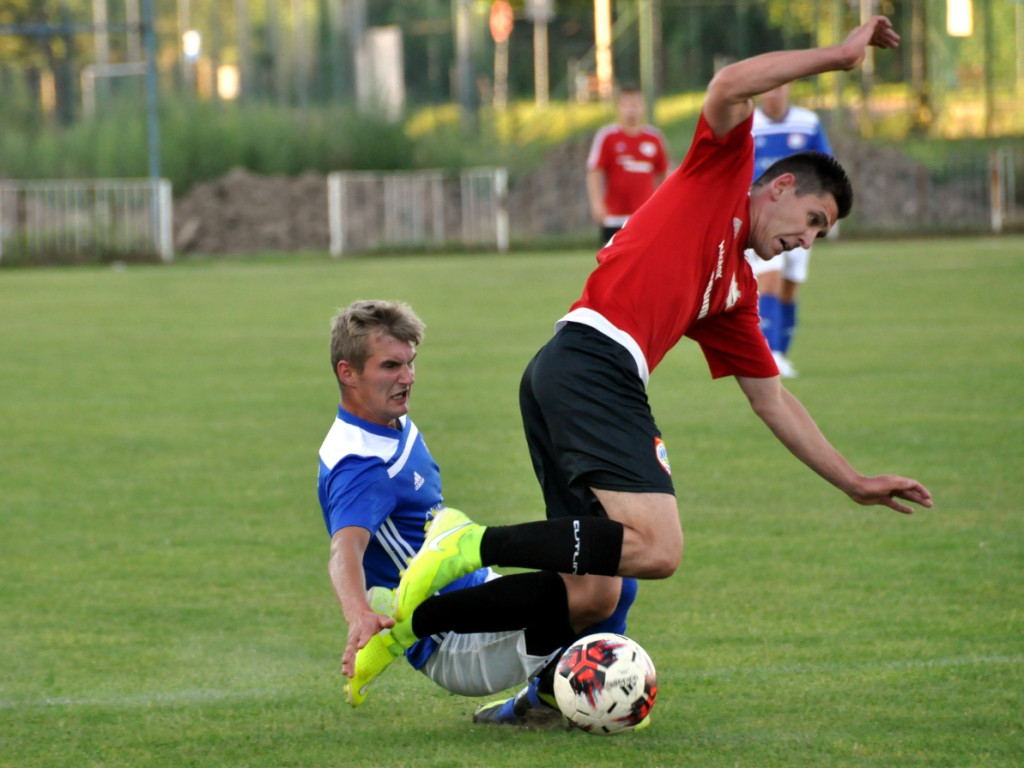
(645, 723)
(451, 550)
(371, 660)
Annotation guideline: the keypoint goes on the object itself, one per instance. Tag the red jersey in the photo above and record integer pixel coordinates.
(677, 268)
(630, 163)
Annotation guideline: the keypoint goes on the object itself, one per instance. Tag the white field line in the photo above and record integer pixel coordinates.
(874, 666)
(205, 695)
(155, 699)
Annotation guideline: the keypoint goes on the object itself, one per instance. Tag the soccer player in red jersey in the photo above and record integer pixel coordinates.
(628, 160)
(676, 269)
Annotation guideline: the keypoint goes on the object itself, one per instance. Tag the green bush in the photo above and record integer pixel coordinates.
(203, 140)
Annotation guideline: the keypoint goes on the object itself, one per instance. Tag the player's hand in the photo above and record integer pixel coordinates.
(887, 489)
(877, 32)
(359, 633)
(598, 212)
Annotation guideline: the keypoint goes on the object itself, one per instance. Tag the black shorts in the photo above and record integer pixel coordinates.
(588, 423)
(607, 233)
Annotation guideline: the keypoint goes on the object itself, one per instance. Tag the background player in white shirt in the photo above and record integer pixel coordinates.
(780, 130)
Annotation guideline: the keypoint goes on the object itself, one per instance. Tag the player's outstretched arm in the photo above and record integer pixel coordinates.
(360, 629)
(888, 489)
(595, 194)
(730, 94)
(794, 427)
(345, 568)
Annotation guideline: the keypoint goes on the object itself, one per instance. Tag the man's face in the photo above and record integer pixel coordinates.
(775, 103)
(632, 109)
(782, 220)
(380, 392)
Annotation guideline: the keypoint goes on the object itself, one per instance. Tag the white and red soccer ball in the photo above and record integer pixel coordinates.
(605, 683)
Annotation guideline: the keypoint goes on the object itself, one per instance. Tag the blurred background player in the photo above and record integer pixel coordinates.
(780, 130)
(379, 488)
(628, 160)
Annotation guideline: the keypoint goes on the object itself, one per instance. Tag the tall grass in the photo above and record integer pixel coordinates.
(202, 140)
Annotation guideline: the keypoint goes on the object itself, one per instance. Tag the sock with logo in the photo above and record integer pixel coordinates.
(770, 309)
(788, 316)
(535, 602)
(567, 545)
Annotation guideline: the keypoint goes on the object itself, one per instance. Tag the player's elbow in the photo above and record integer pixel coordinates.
(728, 85)
(764, 395)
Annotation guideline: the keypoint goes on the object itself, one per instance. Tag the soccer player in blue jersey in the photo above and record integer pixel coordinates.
(780, 130)
(379, 488)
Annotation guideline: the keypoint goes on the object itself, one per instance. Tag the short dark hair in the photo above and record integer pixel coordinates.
(815, 173)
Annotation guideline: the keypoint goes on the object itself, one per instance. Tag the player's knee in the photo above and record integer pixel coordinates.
(591, 599)
(590, 612)
(664, 564)
(665, 555)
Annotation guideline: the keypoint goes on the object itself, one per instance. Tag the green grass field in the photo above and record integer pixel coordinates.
(163, 591)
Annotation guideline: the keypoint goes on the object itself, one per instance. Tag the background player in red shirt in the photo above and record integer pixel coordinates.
(628, 160)
(677, 269)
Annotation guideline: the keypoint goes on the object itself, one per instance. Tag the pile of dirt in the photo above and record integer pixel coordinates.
(552, 200)
(244, 213)
(895, 192)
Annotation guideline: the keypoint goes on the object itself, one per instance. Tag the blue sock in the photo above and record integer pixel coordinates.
(788, 326)
(507, 713)
(770, 310)
(533, 696)
(617, 621)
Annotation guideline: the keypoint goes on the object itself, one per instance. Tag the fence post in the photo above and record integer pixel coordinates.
(996, 191)
(334, 218)
(501, 214)
(165, 237)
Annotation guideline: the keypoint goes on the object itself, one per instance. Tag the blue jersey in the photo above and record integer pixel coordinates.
(798, 131)
(386, 481)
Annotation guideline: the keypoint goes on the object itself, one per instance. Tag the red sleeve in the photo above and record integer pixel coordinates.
(733, 344)
(597, 158)
(661, 161)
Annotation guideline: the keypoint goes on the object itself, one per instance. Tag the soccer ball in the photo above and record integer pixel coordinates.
(605, 683)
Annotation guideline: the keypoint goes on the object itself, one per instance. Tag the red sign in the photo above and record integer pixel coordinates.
(501, 21)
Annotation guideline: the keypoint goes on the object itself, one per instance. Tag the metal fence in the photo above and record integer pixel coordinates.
(96, 220)
(1006, 167)
(373, 210)
(893, 193)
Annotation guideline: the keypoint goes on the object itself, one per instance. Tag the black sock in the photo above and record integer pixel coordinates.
(535, 602)
(567, 545)
(546, 678)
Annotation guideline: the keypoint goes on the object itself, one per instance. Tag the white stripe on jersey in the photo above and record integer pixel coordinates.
(398, 549)
(410, 441)
(346, 439)
(597, 142)
(797, 120)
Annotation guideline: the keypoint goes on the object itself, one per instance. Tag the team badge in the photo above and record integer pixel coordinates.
(662, 453)
(796, 141)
